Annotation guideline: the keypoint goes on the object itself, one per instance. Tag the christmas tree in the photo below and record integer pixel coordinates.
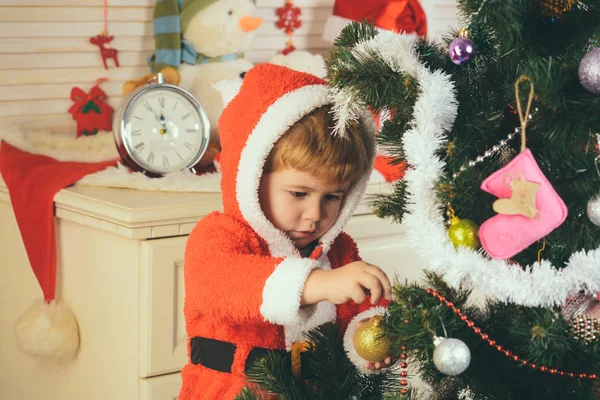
(499, 125)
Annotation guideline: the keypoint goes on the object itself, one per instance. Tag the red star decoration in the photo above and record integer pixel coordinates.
(289, 18)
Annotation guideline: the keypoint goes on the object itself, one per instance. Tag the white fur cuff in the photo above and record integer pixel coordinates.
(283, 291)
(349, 339)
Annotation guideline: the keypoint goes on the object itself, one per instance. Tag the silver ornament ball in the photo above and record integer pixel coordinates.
(593, 209)
(451, 356)
(589, 71)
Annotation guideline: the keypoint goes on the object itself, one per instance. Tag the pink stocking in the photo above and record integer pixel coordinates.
(503, 236)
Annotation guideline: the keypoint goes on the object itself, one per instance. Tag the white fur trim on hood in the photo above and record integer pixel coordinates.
(279, 117)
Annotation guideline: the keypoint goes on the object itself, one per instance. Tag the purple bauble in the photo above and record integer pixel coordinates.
(589, 71)
(462, 51)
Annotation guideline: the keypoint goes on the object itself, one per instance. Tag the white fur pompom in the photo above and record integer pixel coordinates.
(48, 332)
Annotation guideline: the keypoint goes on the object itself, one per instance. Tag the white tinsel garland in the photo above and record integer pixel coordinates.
(540, 284)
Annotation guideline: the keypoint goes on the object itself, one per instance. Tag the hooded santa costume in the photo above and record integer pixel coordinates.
(243, 277)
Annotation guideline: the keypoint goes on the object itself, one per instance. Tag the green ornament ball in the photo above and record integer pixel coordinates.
(464, 232)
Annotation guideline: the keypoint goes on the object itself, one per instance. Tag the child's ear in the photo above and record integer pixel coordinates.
(228, 89)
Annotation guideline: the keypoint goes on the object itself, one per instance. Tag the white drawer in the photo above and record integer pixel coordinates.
(164, 387)
(163, 340)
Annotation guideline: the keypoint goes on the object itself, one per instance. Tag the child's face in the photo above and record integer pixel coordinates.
(302, 205)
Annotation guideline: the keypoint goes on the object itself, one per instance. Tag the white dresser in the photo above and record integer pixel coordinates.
(120, 258)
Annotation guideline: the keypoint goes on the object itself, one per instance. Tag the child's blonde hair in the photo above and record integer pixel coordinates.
(309, 146)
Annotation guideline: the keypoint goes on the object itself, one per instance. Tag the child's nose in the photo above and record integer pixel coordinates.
(313, 212)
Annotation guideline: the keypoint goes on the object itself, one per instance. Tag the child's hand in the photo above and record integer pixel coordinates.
(354, 281)
(351, 282)
(376, 366)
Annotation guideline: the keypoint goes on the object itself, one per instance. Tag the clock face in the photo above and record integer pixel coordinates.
(164, 130)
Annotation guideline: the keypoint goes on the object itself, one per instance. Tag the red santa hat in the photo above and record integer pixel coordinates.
(392, 15)
(48, 329)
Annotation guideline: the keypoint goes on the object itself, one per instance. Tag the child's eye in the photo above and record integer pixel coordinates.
(332, 197)
(298, 194)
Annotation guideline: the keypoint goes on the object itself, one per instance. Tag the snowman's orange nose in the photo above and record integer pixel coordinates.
(248, 23)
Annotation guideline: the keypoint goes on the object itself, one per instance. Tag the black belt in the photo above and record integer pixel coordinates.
(218, 355)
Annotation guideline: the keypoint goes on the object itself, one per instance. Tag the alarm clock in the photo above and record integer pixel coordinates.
(161, 128)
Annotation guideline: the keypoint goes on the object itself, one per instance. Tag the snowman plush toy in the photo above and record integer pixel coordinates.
(205, 41)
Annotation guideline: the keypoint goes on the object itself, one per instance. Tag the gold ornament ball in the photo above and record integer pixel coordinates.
(464, 232)
(555, 8)
(369, 342)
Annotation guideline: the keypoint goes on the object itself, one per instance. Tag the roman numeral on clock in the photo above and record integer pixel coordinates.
(186, 116)
(165, 161)
(189, 145)
(191, 130)
(147, 106)
(140, 146)
(161, 101)
(150, 158)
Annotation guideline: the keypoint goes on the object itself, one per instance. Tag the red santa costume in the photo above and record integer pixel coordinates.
(243, 277)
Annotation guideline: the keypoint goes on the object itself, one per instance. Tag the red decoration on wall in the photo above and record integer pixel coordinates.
(289, 21)
(105, 52)
(289, 18)
(103, 39)
(289, 48)
(90, 110)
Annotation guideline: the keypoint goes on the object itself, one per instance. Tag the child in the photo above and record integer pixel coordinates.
(276, 263)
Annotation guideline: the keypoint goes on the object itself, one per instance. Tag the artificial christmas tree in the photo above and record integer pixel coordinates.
(507, 140)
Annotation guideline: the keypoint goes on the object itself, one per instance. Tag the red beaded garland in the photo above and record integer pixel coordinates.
(492, 342)
(403, 373)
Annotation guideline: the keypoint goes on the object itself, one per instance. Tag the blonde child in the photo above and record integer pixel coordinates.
(276, 263)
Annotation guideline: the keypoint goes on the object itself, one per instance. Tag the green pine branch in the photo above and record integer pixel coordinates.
(331, 375)
(537, 335)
